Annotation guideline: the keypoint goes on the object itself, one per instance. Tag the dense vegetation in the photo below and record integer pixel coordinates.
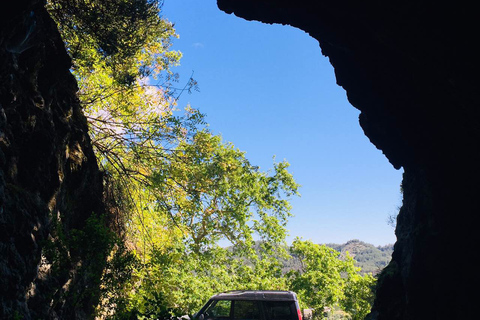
(174, 190)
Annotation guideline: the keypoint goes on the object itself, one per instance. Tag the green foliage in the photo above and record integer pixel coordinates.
(182, 282)
(127, 38)
(359, 295)
(327, 280)
(79, 251)
(117, 48)
(212, 192)
(206, 193)
(319, 283)
(117, 282)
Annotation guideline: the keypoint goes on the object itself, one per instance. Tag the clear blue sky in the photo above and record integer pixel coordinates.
(268, 90)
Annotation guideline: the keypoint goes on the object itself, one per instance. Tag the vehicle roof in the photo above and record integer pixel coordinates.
(266, 295)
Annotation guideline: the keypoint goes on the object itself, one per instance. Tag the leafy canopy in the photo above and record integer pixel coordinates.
(325, 280)
(212, 192)
(118, 49)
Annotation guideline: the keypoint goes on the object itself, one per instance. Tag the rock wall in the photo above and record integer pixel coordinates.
(411, 68)
(49, 180)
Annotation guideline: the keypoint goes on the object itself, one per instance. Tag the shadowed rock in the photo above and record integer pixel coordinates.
(49, 180)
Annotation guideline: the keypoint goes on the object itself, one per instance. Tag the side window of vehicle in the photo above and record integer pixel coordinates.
(280, 310)
(219, 310)
(246, 310)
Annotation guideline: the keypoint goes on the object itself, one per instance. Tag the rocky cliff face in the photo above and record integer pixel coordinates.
(411, 68)
(49, 180)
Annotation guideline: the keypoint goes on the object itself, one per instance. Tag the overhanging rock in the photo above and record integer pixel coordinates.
(411, 68)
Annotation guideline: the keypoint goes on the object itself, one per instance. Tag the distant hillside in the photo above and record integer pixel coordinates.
(370, 258)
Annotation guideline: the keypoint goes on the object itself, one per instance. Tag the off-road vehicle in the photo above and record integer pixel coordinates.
(251, 305)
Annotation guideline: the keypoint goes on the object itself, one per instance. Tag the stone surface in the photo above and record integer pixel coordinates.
(411, 68)
(49, 180)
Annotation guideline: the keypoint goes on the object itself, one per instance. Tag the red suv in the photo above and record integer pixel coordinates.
(251, 305)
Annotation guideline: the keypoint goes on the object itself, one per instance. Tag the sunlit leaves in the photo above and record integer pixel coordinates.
(122, 58)
(358, 295)
(325, 280)
(212, 190)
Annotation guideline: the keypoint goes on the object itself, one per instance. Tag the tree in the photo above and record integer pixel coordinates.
(205, 193)
(119, 48)
(358, 295)
(174, 189)
(212, 192)
(325, 280)
(128, 37)
(319, 283)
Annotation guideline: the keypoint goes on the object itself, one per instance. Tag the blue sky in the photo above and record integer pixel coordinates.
(268, 90)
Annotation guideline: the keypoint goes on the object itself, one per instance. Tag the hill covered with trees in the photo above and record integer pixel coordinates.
(372, 259)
